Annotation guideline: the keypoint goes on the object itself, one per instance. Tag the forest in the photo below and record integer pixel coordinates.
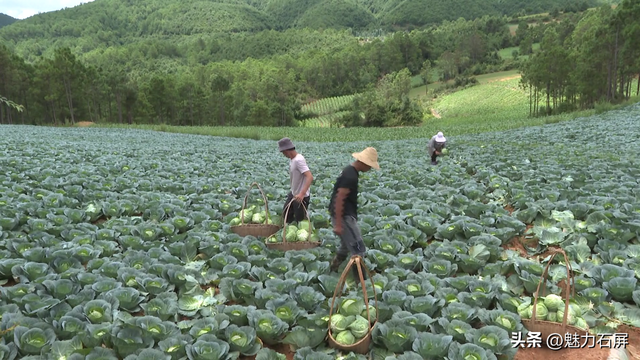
(137, 73)
(6, 20)
(591, 61)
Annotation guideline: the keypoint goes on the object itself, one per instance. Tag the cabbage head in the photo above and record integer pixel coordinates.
(581, 323)
(345, 338)
(302, 235)
(246, 215)
(340, 322)
(372, 313)
(291, 235)
(541, 311)
(304, 224)
(258, 218)
(359, 327)
(552, 316)
(553, 302)
(524, 310)
(572, 317)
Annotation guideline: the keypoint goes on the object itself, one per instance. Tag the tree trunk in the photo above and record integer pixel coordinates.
(109, 100)
(67, 89)
(614, 82)
(53, 112)
(548, 105)
(191, 109)
(119, 106)
(221, 99)
(530, 101)
(89, 103)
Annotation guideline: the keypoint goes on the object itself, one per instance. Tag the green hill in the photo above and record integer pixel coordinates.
(109, 23)
(6, 20)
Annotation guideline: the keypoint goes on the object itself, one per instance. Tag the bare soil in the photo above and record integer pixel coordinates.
(84, 123)
(510, 78)
(633, 349)
(544, 353)
(281, 348)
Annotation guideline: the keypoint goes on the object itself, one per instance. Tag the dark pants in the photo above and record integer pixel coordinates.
(296, 211)
(434, 156)
(351, 243)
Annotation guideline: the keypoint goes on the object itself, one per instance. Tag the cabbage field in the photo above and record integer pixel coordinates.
(116, 244)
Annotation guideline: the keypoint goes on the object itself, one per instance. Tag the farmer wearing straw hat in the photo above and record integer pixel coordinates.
(343, 206)
(435, 146)
(300, 178)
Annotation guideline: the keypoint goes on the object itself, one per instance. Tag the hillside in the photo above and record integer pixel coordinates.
(107, 23)
(6, 20)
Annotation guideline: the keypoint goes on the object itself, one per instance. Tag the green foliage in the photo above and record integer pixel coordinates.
(327, 106)
(583, 64)
(330, 120)
(6, 20)
(388, 104)
(11, 104)
(152, 83)
(498, 99)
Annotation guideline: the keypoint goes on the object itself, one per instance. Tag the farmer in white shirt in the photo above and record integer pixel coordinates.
(435, 146)
(301, 179)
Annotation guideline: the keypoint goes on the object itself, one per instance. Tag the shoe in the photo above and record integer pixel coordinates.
(434, 162)
(335, 264)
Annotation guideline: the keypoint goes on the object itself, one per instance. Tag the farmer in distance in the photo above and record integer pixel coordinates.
(301, 178)
(343, 207)
(435, 146)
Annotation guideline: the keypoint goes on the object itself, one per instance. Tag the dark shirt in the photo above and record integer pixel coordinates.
(348, 179)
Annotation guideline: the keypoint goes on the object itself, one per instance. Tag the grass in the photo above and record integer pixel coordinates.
(482, 79)
(494, 99)
(507, 53)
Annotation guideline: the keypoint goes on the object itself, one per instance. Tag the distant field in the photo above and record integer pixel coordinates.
(485, 78)
(498, 100)
(507, 53)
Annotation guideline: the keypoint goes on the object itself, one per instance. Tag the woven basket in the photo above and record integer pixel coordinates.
(286, 245)
(363, 345)
(257, 230)
(546, 328)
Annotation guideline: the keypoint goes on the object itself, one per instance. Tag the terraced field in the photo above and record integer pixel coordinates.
(116, 244)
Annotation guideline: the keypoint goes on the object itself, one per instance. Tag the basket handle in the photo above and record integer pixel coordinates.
(569, 285)
(359, 262)
(284, 220)
(244, 203)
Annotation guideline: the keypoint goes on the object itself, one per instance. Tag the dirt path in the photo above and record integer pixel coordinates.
(84, 123)
(506, 78)
(435, 113)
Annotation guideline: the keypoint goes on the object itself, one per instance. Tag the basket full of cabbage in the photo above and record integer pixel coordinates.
(252, 222)
(551, 314)
(351, 325)
(293, 237)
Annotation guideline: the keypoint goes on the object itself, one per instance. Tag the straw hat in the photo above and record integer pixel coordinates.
(368, 156)
(440, 137)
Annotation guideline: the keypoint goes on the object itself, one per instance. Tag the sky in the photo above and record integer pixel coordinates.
(21, 9)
